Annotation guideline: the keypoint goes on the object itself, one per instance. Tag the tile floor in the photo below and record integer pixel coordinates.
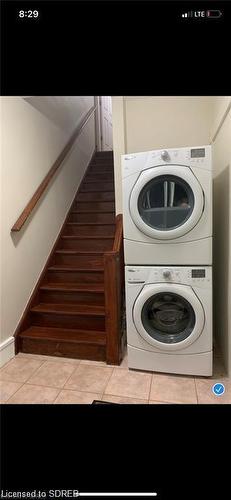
(35, 379)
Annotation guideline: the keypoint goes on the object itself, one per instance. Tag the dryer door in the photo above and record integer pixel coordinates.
(166, 202)
(168, 316)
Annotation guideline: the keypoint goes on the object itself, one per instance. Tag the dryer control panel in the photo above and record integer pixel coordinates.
(199, 157)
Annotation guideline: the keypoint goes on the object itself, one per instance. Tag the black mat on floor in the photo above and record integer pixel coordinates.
(97, 402)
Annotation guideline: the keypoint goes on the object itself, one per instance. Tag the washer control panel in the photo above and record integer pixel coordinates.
(186, 275)
(167, 273)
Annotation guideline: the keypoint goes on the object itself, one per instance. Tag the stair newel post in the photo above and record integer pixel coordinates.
(112, 309)
(114, 286)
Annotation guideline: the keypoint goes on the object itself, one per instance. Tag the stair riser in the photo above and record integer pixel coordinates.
(63, 349)
(99, 177)
(102, 169)
(104, 154)
(85, 321)
(61, 297)
(107, 230)
(82, 245)
(75, 277)
(85, 261)
(102, 160)
(92, 217)
(94, 206)
(97, 187)
(99, 196)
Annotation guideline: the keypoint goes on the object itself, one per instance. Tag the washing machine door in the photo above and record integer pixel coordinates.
(168, 316)
(166, 202)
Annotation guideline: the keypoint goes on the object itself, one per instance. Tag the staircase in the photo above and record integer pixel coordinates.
(67, 314)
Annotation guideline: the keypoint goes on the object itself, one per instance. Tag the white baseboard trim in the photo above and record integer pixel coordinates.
(7, 350)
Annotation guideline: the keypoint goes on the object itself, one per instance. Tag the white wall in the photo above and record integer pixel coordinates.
(221, 135)
(152, 122)
(31, 142)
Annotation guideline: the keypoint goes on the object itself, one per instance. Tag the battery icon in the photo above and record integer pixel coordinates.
(213, 13)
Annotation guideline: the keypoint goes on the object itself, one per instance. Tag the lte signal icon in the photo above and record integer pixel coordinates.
(184, 15)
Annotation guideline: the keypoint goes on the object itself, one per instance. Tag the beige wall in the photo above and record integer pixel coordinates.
(118, 136)
(31, 142)
(151, 122)
(221, 134)
(63, 111)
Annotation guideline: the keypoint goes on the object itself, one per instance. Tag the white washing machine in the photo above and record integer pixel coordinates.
(169, 319)
(167, 207)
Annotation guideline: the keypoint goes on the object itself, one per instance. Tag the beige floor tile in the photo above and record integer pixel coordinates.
(93, 363)
(76, 397)
(7, 389)
(26, 355)
(129, 384)
(52, 374)
(123, 400)
(205, 394)
(124, 362)
(89, 378)
(19, 369)
(173, 389)
(159, 402)
(103, 364)
(48, 358)
(33, 394)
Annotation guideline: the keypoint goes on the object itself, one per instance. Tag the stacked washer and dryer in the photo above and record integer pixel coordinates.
(167, 206)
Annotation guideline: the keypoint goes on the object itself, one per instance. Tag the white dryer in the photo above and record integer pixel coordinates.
(169, 319)
(167, 207)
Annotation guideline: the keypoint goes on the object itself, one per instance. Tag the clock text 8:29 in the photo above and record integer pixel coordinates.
(33, 14)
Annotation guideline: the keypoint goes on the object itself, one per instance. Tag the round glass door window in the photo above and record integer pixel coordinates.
(166, 202)
(168, 317)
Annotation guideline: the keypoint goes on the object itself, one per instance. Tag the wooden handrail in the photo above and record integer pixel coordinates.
(46, 181)
(114, 288)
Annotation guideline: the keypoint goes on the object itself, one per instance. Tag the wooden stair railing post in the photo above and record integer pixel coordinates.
(113, 287)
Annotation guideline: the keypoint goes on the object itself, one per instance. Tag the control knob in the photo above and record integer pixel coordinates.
(165, 156)
(166, 273)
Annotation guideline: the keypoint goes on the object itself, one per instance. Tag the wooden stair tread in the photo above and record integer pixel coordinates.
(99, 177)
(74, 268)
(86, 237)
(102, 190)
(84, 266)
(65, 335)
(102, 160)
(92, 212)
(95, 170)
(70, 309)
(78, 252)
(74, 287)
(87, 192)
(98, 181)
(112, 199)
(90, 223)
